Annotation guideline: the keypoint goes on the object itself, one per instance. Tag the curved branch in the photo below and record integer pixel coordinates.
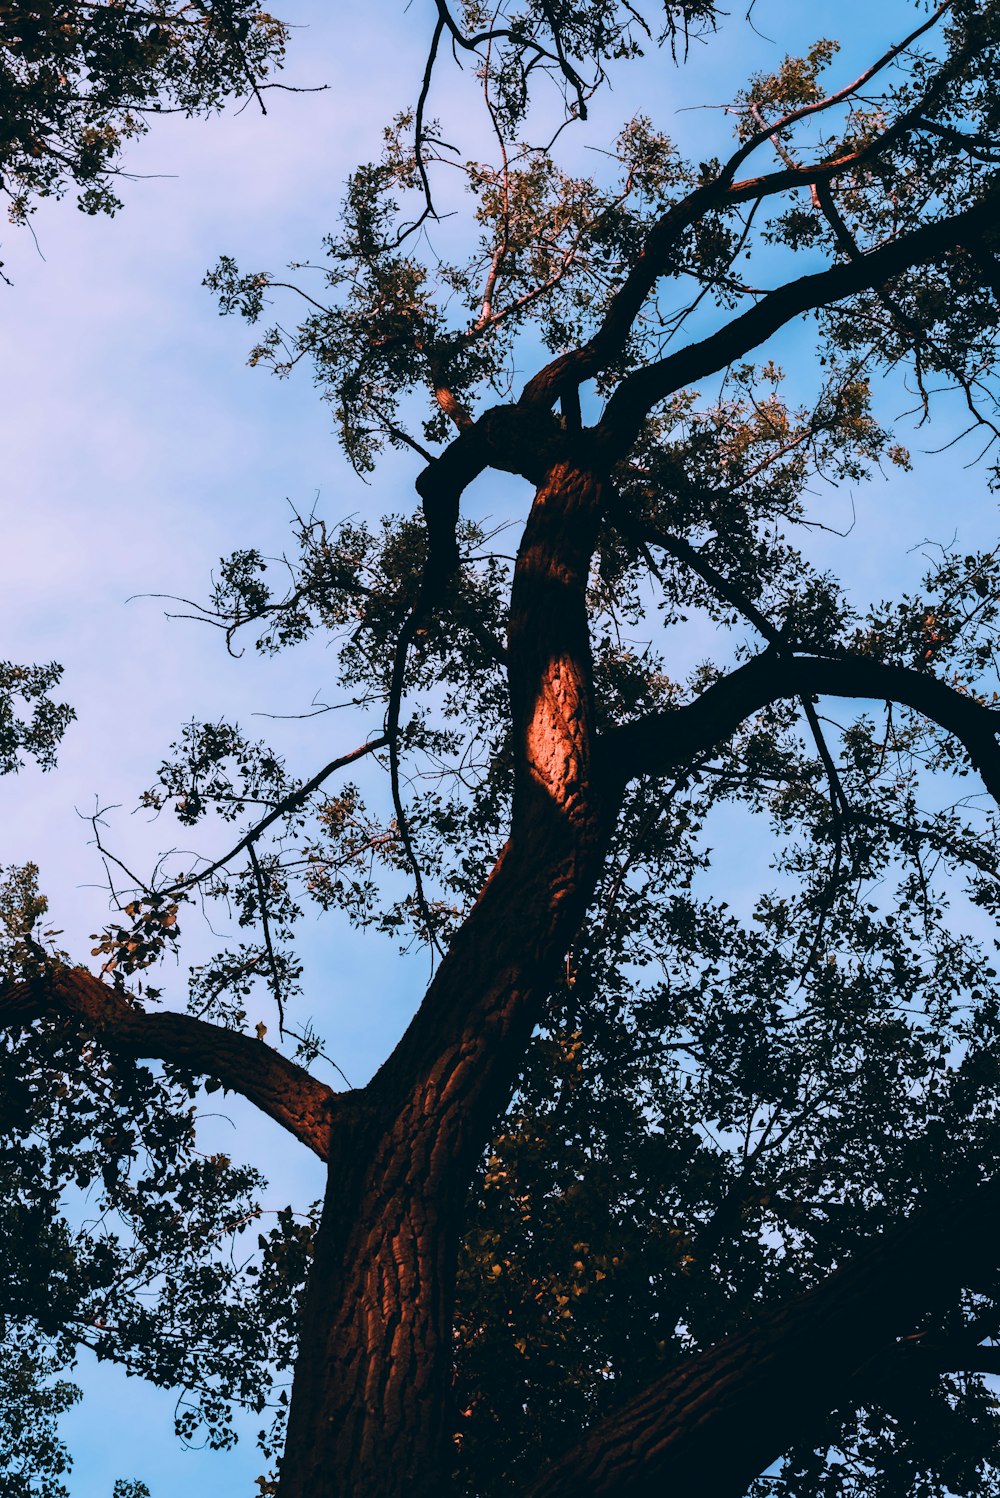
(419, 137)
(278, 1087)
(507, 438)
(663, 743)
(505, 33)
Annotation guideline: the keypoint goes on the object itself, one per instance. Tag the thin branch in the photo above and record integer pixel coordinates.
(766, 132)
(418, 135)
(976, 146)
(290, 803)
(407, 635)
(839, 805)
(268, 946)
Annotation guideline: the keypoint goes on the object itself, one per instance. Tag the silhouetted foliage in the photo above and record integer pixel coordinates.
(79, 79)
(697, 836)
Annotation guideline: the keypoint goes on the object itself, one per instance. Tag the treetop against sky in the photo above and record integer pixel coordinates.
(636, 759)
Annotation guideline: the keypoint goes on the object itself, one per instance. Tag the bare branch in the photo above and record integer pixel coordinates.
(289, 803)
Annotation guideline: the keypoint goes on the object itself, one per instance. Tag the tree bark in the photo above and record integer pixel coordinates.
(722, 1417)
(371, 1409)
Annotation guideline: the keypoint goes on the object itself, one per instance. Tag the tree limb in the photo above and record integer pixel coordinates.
(664, 743)
(280, 1088)
(734, 1408)
(840, 96)
(640, 391)
(288, 803)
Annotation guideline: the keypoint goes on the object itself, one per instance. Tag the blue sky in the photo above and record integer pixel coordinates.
(138, 449)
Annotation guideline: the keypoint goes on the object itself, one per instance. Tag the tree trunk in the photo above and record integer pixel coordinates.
(370, 1404)
(371, 1410)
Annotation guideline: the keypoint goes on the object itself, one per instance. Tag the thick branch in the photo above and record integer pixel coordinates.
(930, 1356)
(640, 391)
(663, 743)
(505, 437)
(972, 1360)
(733, 1409)
(281, 1089)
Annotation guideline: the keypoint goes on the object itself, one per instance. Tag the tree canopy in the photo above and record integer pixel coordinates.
(79, 79)
(682, 1176)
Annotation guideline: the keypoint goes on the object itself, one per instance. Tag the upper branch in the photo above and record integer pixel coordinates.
(840, 96)
(663, 743)
(279, 1087)
(722, 191)
(539, 53)
(640, 391)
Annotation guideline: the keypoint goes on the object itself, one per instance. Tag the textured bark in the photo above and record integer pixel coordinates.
(370, 1415)
(371, 1411)
(720, 1419)
(280, 1088)
(371, 1406)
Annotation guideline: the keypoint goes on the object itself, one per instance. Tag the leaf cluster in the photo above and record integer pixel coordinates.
(79, 79)
(39, 735)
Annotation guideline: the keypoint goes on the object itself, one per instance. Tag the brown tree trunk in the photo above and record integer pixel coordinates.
(371, 1397)
(371, 1414)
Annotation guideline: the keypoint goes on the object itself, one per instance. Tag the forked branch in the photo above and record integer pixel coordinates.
(640, 391)
(721, 191)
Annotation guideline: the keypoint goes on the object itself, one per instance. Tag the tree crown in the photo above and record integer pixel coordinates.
(725, 1094)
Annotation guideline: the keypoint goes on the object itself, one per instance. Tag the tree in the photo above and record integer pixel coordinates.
(738, 1204)
(78, 79)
